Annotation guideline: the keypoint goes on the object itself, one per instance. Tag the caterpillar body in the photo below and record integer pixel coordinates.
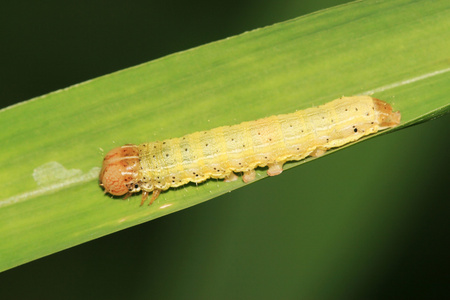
(221, 152)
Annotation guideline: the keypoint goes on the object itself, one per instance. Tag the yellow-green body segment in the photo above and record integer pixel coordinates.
(239, 148)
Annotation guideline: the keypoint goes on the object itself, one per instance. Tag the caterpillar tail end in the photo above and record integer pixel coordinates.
(387, 118)
(119, 171)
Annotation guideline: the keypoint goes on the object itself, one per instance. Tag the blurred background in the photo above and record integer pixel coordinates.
(368, 222)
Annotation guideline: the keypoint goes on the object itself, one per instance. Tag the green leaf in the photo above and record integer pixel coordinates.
(53, 146)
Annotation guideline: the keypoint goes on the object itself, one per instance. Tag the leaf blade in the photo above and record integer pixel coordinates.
(305, 58)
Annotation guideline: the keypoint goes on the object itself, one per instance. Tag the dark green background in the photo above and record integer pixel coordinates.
(334, 239)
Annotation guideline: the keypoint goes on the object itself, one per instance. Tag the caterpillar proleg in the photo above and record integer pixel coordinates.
(221, 152)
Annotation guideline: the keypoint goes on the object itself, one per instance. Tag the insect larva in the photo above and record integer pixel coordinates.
(221, 152)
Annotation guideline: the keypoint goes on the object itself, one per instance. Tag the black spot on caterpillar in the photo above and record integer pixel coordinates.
(223, 151)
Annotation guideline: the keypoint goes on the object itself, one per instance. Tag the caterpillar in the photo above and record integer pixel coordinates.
(221, 152)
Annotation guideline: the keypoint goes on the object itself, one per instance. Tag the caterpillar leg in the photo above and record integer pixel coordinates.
(231, 177)
(125, 196)
(144, 197)
(145, 194)
(249, 176)
(154, 196)
(318, 152)
(275, 169)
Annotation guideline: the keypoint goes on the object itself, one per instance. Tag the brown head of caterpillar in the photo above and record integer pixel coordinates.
(120, 170)
(385, 116)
